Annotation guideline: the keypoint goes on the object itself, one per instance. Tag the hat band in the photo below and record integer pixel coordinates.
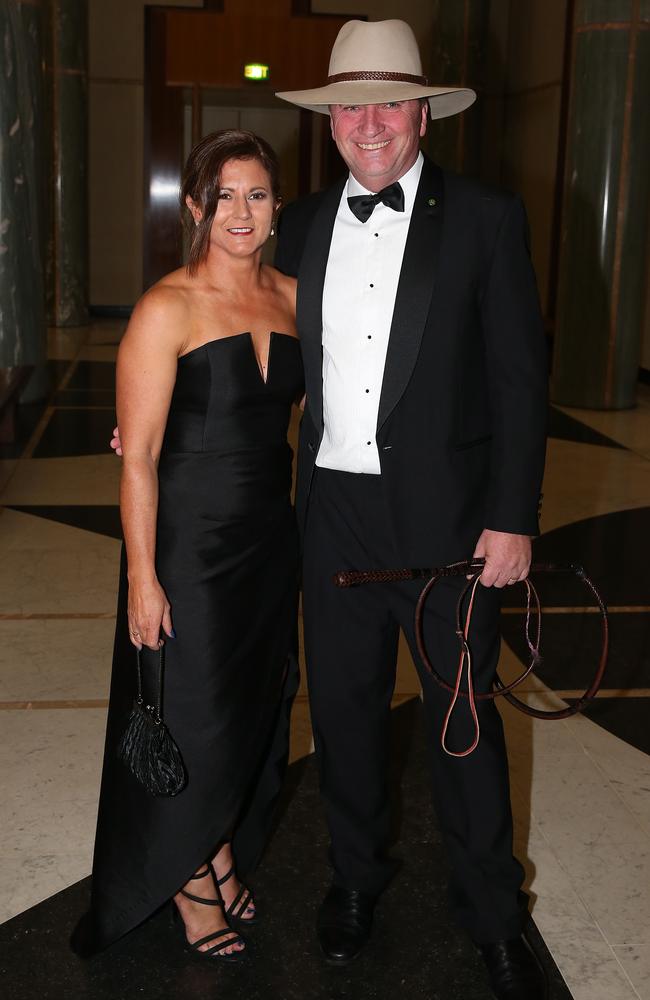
(369, 74)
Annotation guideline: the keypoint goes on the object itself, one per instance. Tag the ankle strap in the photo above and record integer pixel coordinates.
(201, 899)
(201, 874)
(224, 878)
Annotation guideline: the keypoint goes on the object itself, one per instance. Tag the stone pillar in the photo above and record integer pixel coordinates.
(67, 259)
(22, 183)
(460, 32)
(605, 207)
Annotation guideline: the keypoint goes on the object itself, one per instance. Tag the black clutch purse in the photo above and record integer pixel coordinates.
(147, 747)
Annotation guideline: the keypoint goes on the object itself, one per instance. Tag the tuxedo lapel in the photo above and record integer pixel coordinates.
(309, 306)
(415, 288)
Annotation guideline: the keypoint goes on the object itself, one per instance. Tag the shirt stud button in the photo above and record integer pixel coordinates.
(371, 285)
(367, 390)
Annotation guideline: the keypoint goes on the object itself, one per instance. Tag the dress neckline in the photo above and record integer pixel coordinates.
(245, 333)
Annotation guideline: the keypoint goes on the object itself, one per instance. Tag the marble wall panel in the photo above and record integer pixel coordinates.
(597, 11)
(22, 220)
(600, 298)
(67, 294)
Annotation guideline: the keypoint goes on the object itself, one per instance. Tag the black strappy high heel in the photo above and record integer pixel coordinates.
(239, 905)
(217, 950)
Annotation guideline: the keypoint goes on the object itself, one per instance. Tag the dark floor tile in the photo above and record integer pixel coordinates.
(84, 397)
(93, 375)
(26, 418)
(415, 950)
(27, 415)
(626, 718)
(612, 548)
(57, 369)
(571, 647)
(76, 432)
(102, 519)
(561, 425)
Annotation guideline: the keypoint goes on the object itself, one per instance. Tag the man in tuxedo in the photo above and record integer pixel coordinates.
(422, 443)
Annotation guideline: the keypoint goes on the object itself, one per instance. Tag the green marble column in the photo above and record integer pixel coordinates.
(460, 30)
(67, 285)
(605, 208)
(22, 183)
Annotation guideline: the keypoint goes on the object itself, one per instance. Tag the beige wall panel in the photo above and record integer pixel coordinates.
(280, 128)
(116, 36)
(536, 49)
(530, 153)
(115, 165)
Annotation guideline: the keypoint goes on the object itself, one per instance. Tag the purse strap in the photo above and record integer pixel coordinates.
(156, 708)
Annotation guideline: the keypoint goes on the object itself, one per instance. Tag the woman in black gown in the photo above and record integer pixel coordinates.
(204, 393)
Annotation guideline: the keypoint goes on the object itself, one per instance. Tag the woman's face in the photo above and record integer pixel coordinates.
(245, 208)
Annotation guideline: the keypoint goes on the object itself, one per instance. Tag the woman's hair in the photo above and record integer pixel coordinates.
(202, 178)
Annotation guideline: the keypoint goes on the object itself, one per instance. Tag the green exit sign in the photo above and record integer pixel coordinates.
(256, 71)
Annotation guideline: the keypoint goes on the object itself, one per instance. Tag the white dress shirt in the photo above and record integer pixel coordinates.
(363, 270)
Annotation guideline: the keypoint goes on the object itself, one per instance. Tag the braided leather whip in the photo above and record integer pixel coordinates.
(472, 569)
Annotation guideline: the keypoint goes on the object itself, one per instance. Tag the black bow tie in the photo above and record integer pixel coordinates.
(363, 205)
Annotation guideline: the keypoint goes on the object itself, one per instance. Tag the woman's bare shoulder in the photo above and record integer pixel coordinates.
(282, 283)
(167, 302)
(163, 312)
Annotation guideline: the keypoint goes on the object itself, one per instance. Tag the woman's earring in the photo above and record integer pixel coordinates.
(272, 233)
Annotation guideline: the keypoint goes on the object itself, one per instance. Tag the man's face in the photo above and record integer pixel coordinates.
(379, 142)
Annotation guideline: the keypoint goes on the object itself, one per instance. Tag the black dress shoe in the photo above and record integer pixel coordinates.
(344, 923)
(515, 972)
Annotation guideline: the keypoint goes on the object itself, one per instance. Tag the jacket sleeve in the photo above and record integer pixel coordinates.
(517, 371)
(284, 252)
(292, 230)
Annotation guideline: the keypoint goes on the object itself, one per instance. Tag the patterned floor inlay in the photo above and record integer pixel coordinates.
(615, 558)
(581, 788)
(415, 950)
(561, 425)
(627, 717)
(103, 519)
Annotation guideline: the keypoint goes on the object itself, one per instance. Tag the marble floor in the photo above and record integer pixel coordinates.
(580, 787)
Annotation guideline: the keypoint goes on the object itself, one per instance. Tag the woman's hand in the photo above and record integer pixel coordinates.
(149, 611)
(116, 442)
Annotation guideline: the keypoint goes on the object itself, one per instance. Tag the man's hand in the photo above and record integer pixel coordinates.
(116, 444)
(507, 557)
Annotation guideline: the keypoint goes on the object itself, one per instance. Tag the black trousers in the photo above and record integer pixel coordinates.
(351, 639)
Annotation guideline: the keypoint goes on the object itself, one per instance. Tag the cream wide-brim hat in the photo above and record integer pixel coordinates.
(374, 62)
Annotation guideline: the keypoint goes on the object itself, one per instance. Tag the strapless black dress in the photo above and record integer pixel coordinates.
(227, 557)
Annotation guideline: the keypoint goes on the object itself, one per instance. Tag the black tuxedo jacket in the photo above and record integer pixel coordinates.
(462, 414)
